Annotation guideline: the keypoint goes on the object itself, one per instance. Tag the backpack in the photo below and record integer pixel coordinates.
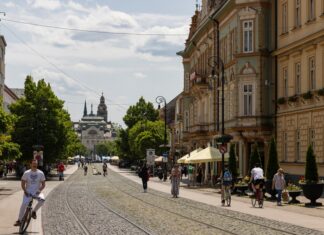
(227, 176)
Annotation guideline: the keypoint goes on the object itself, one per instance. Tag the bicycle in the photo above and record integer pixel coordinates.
(227, 195)
(27, 215)
(258, 196)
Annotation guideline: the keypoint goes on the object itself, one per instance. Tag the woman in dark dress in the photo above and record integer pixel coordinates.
(145, 176)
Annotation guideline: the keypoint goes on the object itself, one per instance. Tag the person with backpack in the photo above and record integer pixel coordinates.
(226, 181)
(60, 170)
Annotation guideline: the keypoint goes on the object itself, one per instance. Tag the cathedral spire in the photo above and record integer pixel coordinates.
(85, 112)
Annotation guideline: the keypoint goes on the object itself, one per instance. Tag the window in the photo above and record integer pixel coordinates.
(285, 79)
(297, 79)
(247, 100)
(312, 75)
(298, 145)
(284, 18)
(248, 36)
(285, 146)
(297, 13)
(311, 10)
(312, 138)
(187, 121)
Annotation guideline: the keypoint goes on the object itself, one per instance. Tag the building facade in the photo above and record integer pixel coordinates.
(9, 97)
(94, 129)
(239, 32)
(300, 74)
(3, 45)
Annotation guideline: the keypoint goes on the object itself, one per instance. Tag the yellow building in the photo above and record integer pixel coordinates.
(300, 83)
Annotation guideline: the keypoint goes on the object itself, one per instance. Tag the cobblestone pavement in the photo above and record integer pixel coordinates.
(88, 205)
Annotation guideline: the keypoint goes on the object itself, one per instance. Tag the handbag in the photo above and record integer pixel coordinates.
(285, 196)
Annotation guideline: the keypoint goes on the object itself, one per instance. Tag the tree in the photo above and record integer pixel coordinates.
(8, 149)
(141, 111)
(273, 165)
(41, 120)
(101, 149)
(232, 162)
(311, 173)
(255, 157)
(144, 135)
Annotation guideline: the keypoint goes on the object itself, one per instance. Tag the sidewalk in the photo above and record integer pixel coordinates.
(294, 214)
(9, 205)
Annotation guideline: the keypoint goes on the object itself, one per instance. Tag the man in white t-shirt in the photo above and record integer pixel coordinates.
(32, 183)
(257, 177)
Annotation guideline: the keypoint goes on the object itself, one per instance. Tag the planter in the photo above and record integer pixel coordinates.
(268, 186)
(312, 192)
(293, 195)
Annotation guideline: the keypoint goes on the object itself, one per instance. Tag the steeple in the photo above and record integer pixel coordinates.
(91, 114)
(102, 108)
(85, 112)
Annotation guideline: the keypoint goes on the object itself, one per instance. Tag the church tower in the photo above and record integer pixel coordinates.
(85, 112)
(102, 108)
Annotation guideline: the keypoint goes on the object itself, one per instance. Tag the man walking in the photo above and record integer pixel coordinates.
(32, 183)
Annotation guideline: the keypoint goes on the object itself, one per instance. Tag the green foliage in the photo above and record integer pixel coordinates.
(232, 162)
(141, 111)
(8, 149)
(123, 149)
(273, 164)
(255, 157)
(311, 173)
(108, 148)
(144, 135)
(41, 120)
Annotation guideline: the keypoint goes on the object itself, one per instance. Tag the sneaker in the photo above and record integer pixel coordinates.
(34, 216)
(17, 223)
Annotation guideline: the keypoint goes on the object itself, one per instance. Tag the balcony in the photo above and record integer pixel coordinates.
(199, 128)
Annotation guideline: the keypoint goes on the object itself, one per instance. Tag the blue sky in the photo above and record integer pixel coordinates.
(80, 65)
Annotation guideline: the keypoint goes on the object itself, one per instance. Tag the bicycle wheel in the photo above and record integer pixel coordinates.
(25, 221)
(261, 201)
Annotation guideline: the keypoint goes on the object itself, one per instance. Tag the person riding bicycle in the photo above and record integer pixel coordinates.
(104, 168)
(226, 180)
(257, 178)
(32, 183)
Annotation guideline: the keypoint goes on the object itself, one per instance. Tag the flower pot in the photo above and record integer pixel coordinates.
(293, 195)
(312, 192)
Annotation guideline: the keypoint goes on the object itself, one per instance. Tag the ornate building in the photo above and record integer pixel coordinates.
(94, 129)
(3, 45)
(238, 32)
(300, 74)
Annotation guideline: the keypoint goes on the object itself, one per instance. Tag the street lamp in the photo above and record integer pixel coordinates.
(159, 100)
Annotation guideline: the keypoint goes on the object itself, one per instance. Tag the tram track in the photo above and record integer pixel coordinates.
(177, 201)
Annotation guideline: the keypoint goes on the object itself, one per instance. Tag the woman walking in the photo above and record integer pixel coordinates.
(279, 184)
(175, 180)
(144, 174)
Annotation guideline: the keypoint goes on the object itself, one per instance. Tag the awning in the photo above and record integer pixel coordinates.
(208, 154)
(189, 155)
(158, 159)
(114, 158)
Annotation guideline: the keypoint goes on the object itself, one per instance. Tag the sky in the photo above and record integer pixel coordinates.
(82, 65)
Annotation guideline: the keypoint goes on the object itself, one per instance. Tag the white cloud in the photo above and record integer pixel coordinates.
(45, 4)
(10, 4)
(139, 75)
(114, 64)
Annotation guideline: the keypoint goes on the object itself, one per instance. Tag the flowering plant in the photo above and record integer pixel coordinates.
(293, 187)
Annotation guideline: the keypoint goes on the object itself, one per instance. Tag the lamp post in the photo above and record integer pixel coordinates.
(216, 62)
(159, 100)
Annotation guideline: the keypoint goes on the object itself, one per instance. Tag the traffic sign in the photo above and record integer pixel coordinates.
(223, 149)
